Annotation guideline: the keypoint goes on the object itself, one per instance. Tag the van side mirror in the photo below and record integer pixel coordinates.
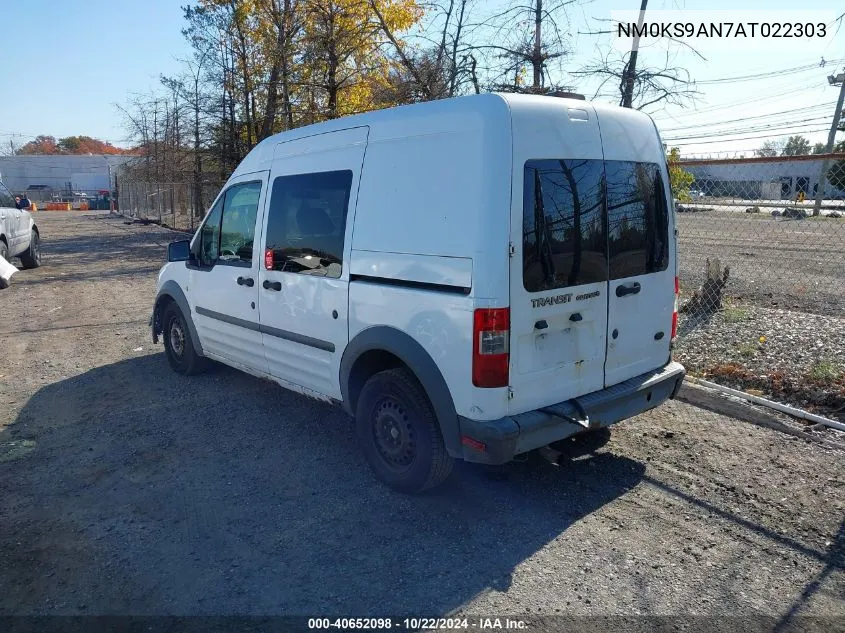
(179, 251)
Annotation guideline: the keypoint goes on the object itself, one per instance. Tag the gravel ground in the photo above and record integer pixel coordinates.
(127, 489)
(796, 357)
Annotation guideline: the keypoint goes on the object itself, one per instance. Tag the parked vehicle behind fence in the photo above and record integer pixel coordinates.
(470, 278)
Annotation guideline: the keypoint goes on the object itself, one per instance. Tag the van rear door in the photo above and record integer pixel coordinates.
(641, 253)
(558, 267)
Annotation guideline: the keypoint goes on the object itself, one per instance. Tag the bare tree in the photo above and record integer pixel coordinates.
(532, 35)
(649, 85)
(442, 64)
(638, 84)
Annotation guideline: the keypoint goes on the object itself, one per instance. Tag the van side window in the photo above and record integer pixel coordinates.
(307, 223)
(209, 242)
(637, 219)
(237, 230)
(563, 229)
(228, 232)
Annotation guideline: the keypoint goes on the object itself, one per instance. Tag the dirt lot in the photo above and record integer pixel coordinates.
(127, 489)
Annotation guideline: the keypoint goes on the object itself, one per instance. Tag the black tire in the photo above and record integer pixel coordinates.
(31, 258)
(4, 250)
(178, 345)
(399, 434)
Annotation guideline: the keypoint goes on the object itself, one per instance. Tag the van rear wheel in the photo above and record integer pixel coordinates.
(398, 433)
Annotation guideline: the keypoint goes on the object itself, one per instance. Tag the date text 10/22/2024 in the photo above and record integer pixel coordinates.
(414, 624)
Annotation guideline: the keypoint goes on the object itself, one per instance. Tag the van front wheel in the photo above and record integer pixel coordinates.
(398, 433)
(178, 345)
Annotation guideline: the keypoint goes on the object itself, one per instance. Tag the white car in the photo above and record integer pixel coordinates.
(470, 278)
(19, 236)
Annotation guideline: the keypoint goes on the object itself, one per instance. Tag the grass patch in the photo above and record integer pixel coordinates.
(747, 350)
(732, 314)
(825, 371)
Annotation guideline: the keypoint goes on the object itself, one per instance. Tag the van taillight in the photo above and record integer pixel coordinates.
(491, 347)
(675, 309)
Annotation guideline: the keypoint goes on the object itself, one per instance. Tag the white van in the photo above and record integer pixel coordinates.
(471, 278)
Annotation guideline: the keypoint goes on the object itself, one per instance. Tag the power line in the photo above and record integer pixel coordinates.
(751, 118)
(782, 125)
(745, 138)
(769, 74)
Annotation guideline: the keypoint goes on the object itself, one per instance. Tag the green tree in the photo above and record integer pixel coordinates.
(770, 148)
(679, 179)
(796, 146)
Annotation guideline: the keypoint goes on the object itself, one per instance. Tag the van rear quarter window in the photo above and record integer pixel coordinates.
(637, 219)
(563, 229)
(307, 222)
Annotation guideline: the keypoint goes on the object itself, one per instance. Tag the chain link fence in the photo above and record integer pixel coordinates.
(178, 205)
(763, 278)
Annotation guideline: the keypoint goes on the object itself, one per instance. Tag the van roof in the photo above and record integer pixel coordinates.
(428, 117)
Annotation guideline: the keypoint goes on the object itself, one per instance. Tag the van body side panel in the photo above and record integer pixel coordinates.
(640, 320)
(435, 197)
(440, 322)
(443, 272)
(435, 184)
(558, 298)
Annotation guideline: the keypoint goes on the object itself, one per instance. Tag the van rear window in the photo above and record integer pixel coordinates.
(563, 228)
(637, 219)
(587, 221)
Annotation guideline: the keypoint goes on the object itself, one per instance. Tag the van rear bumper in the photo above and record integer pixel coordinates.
(498, 441)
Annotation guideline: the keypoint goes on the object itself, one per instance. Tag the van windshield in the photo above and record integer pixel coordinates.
(588, 221)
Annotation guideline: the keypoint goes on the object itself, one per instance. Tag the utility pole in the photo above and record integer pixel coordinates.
(111, 200)
(537, 60)
(630, 72)
(837, 116)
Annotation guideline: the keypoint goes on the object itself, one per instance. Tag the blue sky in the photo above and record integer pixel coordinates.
(74, 60)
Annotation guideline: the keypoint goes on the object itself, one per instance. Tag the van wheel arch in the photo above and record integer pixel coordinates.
(171, 292)
(379, 348)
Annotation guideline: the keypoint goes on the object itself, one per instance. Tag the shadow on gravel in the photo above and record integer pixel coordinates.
(834, 561)
(149, 493)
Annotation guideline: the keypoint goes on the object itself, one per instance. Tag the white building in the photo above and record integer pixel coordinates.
(776, 178)
(41, 176)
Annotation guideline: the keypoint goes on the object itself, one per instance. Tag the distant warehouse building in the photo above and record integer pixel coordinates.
(63, 174)
(775, 178)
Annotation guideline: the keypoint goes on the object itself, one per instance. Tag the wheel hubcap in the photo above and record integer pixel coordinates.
(177, 338)
(36, 248)
(394, 434)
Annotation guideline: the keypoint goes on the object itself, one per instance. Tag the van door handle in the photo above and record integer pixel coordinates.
(541, 325)
(272, 285)
(632, 289)
(246, 281)
(576, 317)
